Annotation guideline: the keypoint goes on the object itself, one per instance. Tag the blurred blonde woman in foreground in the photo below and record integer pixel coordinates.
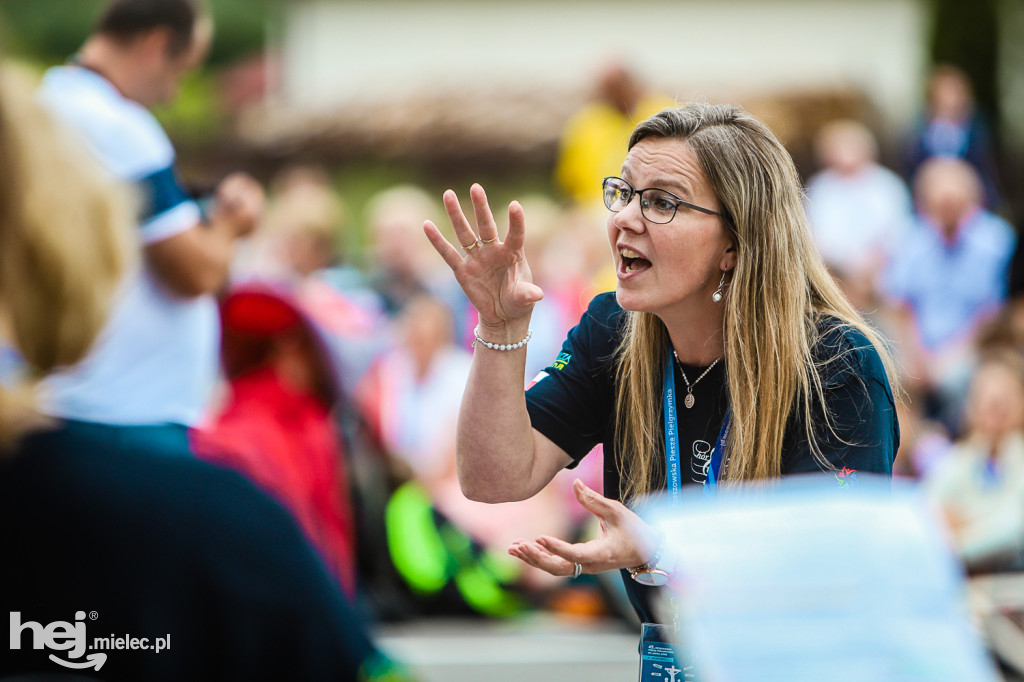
(172, 554)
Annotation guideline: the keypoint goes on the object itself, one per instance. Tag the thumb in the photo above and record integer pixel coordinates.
(531, 293)
(594, 502)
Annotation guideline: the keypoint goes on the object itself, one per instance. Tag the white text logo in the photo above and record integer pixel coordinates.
(71, 637)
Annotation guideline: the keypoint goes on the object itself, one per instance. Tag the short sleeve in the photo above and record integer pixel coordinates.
(861, 433)
(166, 208)
(128, 142)
(571, 401)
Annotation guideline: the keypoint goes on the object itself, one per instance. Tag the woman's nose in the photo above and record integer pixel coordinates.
(630, 217)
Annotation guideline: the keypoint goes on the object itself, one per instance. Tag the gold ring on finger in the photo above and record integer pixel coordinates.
(470, 246)
(485, 241)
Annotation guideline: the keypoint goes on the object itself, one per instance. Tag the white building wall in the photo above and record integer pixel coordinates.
(339, 53)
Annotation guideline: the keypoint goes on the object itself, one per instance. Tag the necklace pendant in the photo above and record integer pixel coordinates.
(688, 400)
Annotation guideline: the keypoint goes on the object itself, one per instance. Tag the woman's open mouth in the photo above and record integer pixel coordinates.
(632, 261)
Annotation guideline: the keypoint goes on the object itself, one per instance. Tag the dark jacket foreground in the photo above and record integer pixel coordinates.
(148, 546)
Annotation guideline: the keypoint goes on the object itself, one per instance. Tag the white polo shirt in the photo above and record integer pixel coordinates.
(156, 360)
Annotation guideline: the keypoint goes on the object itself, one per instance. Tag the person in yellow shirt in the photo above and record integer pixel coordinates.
(595, 138)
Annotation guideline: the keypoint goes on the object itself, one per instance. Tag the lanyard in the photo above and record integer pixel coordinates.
(673, 471)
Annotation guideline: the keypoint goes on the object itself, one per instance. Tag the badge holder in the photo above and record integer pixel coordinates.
(659, 658)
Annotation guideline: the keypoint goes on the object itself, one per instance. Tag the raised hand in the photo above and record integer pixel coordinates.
(623, 540)
(493, 274)
(239, 202)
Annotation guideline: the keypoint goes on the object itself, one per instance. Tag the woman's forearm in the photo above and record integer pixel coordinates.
(496, 448)
(495, 441)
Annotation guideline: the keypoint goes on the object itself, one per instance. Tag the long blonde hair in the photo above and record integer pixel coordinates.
(64, 241)
(779, 288)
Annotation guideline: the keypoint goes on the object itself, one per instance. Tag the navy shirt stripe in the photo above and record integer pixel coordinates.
(161, 192)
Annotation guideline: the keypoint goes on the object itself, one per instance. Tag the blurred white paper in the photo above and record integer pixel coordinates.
(807, 582)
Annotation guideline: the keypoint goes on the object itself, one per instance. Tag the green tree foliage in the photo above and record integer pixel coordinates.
(46, 30)
(49, 31)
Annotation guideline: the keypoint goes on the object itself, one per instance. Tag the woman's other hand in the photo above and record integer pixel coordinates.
(623, 540)
(493, 274)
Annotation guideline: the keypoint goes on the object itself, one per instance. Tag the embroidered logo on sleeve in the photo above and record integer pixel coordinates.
(846, 477)
(562, 360)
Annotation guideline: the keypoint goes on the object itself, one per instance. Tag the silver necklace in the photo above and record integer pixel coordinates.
(689, 400)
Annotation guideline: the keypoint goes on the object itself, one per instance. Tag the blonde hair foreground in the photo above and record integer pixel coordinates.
(64, 228)
(778, 291)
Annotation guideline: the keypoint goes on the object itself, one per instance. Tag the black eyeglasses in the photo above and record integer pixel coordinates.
(659, 206)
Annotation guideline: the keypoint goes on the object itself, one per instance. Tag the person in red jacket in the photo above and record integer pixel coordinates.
(276, 425)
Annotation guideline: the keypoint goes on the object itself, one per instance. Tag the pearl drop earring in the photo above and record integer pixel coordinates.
(718, 295)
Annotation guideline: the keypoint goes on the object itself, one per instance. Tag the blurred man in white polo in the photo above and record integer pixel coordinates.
(150, 372)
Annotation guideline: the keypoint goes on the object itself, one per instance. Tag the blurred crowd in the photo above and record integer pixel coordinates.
(341, 372)
(395, 339)
(929, 257)
(924, 250)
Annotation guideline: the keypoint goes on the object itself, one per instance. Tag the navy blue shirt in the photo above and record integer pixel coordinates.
(128, 544)
(574, 406)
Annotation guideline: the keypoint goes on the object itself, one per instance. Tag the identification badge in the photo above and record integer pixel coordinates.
(659, 661)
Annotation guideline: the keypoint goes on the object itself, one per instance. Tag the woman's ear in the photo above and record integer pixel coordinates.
(728, 261)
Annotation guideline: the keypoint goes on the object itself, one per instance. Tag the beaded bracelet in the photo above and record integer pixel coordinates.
(500, 346)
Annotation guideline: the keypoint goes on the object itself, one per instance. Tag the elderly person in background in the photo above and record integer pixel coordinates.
(858, 209)
(403, 265)
(947, 277)
(721, 293)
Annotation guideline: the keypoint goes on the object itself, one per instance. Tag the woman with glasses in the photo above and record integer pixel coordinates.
(726, 354)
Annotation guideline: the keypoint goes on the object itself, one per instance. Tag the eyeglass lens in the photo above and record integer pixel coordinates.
(656, 205)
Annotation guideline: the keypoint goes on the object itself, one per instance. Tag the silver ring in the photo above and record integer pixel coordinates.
(577, 568)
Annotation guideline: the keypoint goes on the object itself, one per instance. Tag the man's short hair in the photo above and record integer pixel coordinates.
(123, 20)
